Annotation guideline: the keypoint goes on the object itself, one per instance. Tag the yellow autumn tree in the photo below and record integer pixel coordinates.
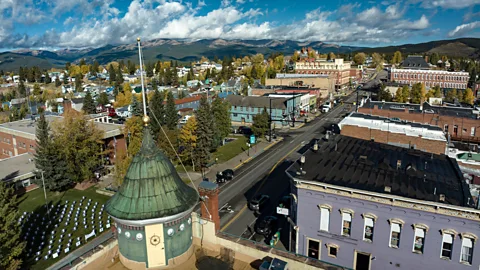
(133, 131)
(188, 139)
(468, 96)
(124, 98)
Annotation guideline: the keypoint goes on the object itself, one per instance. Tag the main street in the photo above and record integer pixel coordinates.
(266, 174)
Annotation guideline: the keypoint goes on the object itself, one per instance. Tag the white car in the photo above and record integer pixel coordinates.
(326, 107)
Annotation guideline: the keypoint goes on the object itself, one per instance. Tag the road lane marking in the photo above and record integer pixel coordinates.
(234, 218)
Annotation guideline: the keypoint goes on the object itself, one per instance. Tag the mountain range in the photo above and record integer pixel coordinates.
(187, 51)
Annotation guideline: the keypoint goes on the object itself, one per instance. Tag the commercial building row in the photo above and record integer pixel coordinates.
(343, 72)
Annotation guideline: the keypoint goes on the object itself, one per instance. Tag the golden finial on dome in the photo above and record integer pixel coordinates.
(138, 39)
(146, 120)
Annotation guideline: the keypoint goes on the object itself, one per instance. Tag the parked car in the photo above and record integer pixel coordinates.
(258, 202)
(326, 107)
(266, 226)
(225, 176)
(228, 173)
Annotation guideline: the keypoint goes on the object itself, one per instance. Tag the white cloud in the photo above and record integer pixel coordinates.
(449, 4)
(151, 19)
(240, 2)
(463, 29)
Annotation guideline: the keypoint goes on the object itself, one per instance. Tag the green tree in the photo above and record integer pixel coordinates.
(204, 133)
(377, 61)
(460, 95)
(103, 99)
(48, 79)
(119, 76)
(81, 143)
(48, 159)
(112, 74)
(133, 130)
(436, 91)
(11, 246)
(88, 104)
(260, 123)
(383, 94)
(188, 139)
(451, 95)
(221, 118)
(22, 91)
(359, 58)
(163, 142)
(156, 108)
(399, 95)
(397, 57)
(57, 82)
(468, 96)
(82, 62)
(36, 89)
(137, 109)
(418, 93)
(406, 93)
(434, 58)
(171, 116)
(78, 82)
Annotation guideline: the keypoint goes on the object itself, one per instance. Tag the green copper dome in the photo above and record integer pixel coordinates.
(151, 188)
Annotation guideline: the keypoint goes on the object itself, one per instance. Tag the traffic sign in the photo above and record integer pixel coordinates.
(282, 211)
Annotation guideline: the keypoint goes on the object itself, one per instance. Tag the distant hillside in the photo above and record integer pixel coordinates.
(162, 49)
(462, 47)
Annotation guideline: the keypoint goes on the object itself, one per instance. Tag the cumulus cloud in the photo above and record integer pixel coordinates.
(463, 29)
(449, 4)
(152, 19)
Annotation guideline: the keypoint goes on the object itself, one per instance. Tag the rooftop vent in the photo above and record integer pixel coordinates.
(442, 197)
(388, 189)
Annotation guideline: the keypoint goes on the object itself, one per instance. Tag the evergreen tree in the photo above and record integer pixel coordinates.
(149, 70)
(112, 74)
(137, 109)
(156, 108)
(88, 104)
(57, 82)
(82, 62)
(103, 99)
(204, 133)
(65, 79)
(171, 116)
(451, 95)
(119, 76)
(22, 74)
(22, 91)
(48, 79)
(207, 74)
(260, 123)
(95, 68)
(11, 245)
(221, 116)
(48, 159)
(78, 82)
(67, 66)
(158, 67)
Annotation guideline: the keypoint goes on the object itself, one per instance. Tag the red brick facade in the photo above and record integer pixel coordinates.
(430, 78)
(14, 145)
(459, 128)
(365, 133)
(11, 145)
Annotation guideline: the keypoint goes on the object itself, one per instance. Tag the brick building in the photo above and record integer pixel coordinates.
(404, 134)
(342, 71)
(430, 78)
(19, 137)
(323, 83)
(461, 124)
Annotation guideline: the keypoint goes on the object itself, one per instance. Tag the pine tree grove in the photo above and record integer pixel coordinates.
(171, 116)
(204, 133)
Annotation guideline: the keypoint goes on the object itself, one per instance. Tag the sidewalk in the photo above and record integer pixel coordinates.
(235, 162)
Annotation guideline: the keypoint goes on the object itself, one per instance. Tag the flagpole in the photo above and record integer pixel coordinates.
(141, 77)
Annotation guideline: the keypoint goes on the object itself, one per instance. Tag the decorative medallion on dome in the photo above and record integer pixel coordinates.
(170, 232)
(155, 240)
(139, 236)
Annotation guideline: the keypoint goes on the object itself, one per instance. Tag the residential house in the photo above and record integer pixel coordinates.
(232, 85)
(130, 78)
(124, 111)
(74, 103)
(244, 108)
(367, 205)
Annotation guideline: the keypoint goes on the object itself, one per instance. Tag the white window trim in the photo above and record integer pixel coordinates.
(327, 208)
(424, 228)
(345, 211)
(367, 217)
(453, 234)
(400, 223)
(472, 237)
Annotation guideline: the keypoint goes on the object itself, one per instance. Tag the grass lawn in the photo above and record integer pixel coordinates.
(33, 202)
(231, 149)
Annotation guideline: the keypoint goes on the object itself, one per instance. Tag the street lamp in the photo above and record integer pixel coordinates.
(45, 194)
(248, 149)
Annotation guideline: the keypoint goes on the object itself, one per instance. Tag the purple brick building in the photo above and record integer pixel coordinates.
(365, 205)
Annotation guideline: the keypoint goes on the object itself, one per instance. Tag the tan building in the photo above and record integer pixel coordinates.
(342, 71)
(322, 83)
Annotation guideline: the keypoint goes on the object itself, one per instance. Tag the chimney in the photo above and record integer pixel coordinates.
(209, 206)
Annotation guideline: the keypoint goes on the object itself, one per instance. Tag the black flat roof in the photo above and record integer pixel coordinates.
(370, 166)
(415, 108)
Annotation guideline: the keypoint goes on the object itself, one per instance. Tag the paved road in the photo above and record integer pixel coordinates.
(267, 175)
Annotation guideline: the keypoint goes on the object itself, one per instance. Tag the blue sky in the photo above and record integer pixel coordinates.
(52, 24)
